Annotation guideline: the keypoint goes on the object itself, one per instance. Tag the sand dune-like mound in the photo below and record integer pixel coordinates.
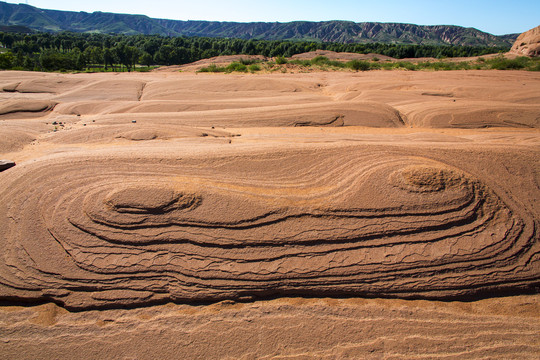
(106, 232)
(25, 108)
(473, 115)
(92, 107)
(13, 139)
(217, 60)
(528, 43)
(226, 86)
(340, 56)
(108, 90)
(50, 84)
(360, 113)
(104, 134)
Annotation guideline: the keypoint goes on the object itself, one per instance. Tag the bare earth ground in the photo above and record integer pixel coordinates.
(323, 215)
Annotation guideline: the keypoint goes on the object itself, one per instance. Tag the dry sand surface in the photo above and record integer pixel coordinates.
(388, 214)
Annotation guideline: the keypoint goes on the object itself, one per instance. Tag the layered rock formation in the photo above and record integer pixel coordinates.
(97, 232)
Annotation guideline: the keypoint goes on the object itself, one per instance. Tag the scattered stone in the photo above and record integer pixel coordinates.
(133, 121)
(6, 164)
(55, 123)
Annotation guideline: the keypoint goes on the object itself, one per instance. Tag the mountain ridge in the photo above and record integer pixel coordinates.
(324, 31)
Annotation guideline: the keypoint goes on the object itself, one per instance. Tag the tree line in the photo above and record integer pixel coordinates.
(80, 51)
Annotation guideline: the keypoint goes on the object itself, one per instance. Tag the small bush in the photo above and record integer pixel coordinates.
(535, 67)
(357, 65)
(406, 65)
(509, 64)
(212, 68)
(280, 60)
(254, 68)
(236, 66)
(320, 60)
(305, 63)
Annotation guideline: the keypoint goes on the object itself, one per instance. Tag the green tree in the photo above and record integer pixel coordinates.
(7, 60)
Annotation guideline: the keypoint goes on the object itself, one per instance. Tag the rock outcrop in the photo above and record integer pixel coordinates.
(528, 43)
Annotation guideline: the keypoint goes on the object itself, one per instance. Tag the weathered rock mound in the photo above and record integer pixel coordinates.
(528, 43)
(359, 222)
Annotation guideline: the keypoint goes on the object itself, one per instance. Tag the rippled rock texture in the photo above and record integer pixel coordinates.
(91, 232)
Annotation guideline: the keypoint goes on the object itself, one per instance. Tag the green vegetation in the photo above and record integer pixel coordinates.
(236, 66)
(25, 18)
(254, 68)
(101, 52)
(280, 60)
(323, 63)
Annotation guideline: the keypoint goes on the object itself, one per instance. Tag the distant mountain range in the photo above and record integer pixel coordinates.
(14, 16)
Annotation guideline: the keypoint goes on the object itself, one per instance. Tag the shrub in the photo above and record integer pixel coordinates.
(212, 68)
(359, 65)
(305, 63)
(535, 67)
(406, 65)
(254, 68)
(320, 60)
(236, 66)
(509, 64)
(280, 60)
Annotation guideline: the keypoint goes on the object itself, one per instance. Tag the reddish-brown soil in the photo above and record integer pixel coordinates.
(386, 214)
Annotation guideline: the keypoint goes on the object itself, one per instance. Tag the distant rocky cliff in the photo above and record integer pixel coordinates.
(327, 31)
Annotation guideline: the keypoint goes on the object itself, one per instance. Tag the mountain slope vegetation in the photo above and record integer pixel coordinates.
(327, 31)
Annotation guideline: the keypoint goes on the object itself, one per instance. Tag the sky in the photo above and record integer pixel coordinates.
(493, 16)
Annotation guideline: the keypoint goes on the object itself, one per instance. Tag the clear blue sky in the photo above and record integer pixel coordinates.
(493, 16)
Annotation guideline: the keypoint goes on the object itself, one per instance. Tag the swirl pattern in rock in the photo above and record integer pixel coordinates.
(89, 233)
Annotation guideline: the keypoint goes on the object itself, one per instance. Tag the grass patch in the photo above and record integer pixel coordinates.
(254, 68)
(324, 61)
(509, 64)
(236, 66)
(212, 68)
(359, 65)
(280, 60)
(325, 64)
(304, 63)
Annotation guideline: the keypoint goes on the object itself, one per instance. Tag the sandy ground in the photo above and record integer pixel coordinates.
(322, 215)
